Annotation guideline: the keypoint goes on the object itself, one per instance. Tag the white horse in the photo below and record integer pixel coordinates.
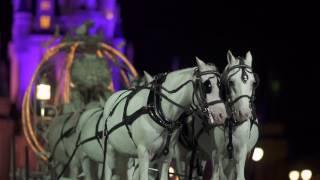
(237, 139)
(214, 142)
(62, 139)
(141, 122)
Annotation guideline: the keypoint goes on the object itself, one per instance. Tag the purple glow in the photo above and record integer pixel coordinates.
(29, 58)
(45, 11)
(28, 48)
(110, 12)
(115, 70)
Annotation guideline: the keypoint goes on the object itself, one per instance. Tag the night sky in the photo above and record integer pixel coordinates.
(281, 38)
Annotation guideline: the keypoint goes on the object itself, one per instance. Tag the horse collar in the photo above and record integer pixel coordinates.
(154, 102)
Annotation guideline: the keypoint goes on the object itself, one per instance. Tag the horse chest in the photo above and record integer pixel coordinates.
(143, 134)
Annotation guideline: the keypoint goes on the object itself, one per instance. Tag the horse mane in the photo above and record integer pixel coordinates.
(214, 67)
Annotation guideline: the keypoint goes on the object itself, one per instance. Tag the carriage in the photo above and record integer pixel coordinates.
(72, 66)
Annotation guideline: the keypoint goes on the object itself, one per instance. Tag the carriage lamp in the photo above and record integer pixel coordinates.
(171, 171)
(43, 93)
(257, 154)
(306, 174)
(294, 175)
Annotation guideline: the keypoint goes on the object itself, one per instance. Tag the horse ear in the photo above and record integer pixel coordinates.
(248, 60)
(131, 78)
(231, 59)
(147, 76)
(200, 63)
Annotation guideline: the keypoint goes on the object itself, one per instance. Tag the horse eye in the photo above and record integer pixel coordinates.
(207, 87)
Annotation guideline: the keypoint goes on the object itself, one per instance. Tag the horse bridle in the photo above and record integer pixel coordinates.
(245, 69)
(203, 88)
(199, 105)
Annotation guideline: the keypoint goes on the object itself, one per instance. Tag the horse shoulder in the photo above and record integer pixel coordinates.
(113, 99)
(87, 116)
(139, 100)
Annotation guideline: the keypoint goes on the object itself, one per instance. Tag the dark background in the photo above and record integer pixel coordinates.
(281, 37)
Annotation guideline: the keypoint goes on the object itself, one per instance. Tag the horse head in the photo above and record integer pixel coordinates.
(240, 83)
(210, 92)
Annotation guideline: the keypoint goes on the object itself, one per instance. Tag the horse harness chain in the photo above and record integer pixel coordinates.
(232, 123)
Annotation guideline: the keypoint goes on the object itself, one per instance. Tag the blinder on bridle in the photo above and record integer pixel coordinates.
(204, 88)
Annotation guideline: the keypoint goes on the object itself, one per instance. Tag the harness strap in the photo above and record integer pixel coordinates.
(72, 155)
(166, 147)
(193, 156)
(184, 141)
(126, 118)
(230, 145)
(97, 130)
(154, 102)
(63, 134)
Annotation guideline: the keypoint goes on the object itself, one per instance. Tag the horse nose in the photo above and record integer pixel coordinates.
(221, 117)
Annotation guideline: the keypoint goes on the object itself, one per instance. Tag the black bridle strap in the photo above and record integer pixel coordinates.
(241, 66)
(214, 102)
(201, 73)
(239, 97)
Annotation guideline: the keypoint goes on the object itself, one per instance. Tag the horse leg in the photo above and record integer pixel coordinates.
(115, 177)
(109, 163)
(87, 169)
(179, 163)
(187, 166)
(136, 172)
(133, 169)
(121, 166)
(216, 166)
(164, 170)
(130, 172)
(74, 170)
(180, 167)
(225, 168)
(143, 156)
(56, 170)
(165, 165)
(240, 162)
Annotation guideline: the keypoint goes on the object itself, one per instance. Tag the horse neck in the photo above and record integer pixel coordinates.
(182, 96)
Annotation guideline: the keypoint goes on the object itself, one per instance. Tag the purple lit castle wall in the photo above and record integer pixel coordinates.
(34, 24)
